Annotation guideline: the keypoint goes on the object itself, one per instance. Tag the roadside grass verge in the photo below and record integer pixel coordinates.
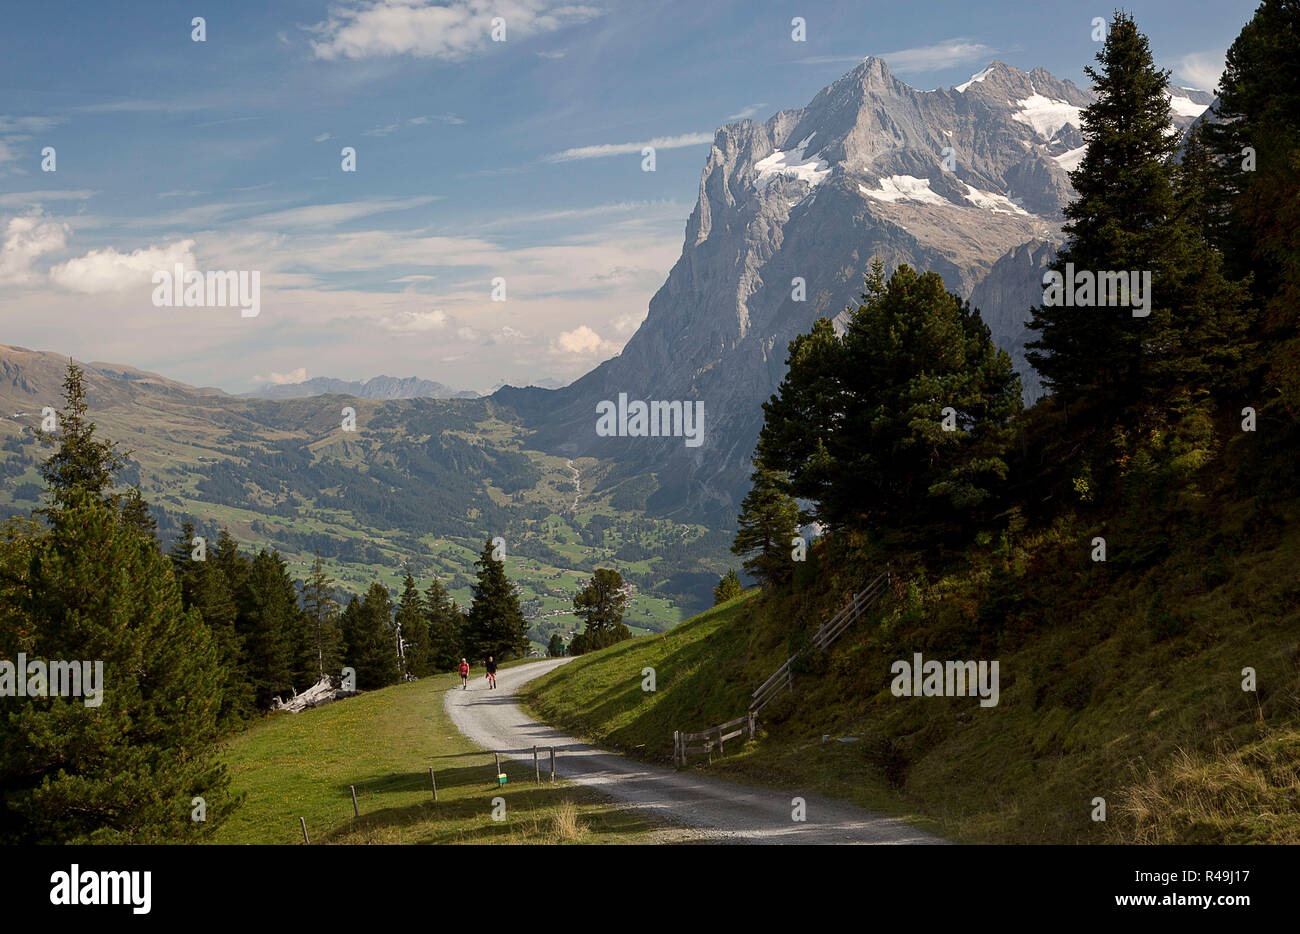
(383, 742)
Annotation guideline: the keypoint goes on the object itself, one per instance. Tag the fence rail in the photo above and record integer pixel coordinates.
(781, 679)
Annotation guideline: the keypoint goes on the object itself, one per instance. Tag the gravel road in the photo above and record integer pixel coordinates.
(720, 811)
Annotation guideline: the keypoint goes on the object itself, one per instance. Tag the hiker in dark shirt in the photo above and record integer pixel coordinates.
(491, 672)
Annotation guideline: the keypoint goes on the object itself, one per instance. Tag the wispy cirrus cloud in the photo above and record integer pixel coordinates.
(449, 119)
(605, 150)
(450, 31)
(1201, 69)
(745, 112)
(946, 54)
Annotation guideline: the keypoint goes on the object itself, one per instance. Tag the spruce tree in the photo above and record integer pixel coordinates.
(126, 769)
(1119, 222)
(370, 640)
(270, 622)
(446, 628)
(769, 520)
(82, 462)
(413, 624)
(322, 617)
(495, 625)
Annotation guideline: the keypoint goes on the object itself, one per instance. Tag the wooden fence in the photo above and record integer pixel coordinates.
(827, 633)
(769, 690)
(712, 738)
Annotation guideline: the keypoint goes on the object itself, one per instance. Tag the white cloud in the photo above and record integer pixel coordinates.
(945, 54)
(923, 58)
(331, 215)
(11, 124)
(746, 112)
(451, 31)
(22, 199)
(581, 341)
(287, 379)
(605, 150)
(466, 334)
(1201, 69)
(626, 324)
(108, 270)
(26, 238)
(321, 138)
(434, 320)
(550, 55)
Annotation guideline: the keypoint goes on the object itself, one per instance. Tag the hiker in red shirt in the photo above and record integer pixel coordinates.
(464, 673)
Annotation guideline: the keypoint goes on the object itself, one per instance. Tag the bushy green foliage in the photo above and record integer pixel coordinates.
(728, 588)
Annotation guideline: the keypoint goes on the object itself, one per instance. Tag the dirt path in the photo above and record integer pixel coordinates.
(724, 811)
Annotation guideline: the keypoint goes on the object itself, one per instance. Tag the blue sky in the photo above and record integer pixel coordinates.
(475, 159)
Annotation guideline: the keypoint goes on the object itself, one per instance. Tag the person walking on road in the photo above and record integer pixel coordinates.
(464, 674)
(491, 672)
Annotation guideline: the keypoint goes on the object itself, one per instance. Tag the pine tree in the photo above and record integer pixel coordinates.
(902, 424)
(446, 628)
(1132, 216)
(555, 648)
(413, 624)
(270, 623)
(135, 512)
(321, 610)
(82, 462)
(126, 770)
(728, 588)
(601, 605)
(370, 642)
(1119, 222)
(215, 601)
(768, 522)
(496, 625)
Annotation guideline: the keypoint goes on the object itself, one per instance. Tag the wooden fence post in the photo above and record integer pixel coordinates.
(552, 765)
(537, 766)
(355, 811)
(496, 774)
(434, 782)
(303, 821)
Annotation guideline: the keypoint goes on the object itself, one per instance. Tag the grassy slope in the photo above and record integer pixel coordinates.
(383, 742)
(1097, 699)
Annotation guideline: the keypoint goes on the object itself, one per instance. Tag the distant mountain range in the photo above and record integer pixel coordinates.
(377, 387)
(968, 181)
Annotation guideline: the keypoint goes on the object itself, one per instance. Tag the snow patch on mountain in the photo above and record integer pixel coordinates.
(791, 163)
(896, 188)
(1184, 106)
(1070, 159)
(1045, 115)
(979, 76)
(989, 201)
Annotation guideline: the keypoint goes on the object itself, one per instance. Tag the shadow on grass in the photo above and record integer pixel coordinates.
(467, 816)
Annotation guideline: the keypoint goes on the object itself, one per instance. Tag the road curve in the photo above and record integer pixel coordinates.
(725, 811)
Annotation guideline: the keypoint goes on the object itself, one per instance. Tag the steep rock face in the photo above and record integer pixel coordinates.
(967, 181)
